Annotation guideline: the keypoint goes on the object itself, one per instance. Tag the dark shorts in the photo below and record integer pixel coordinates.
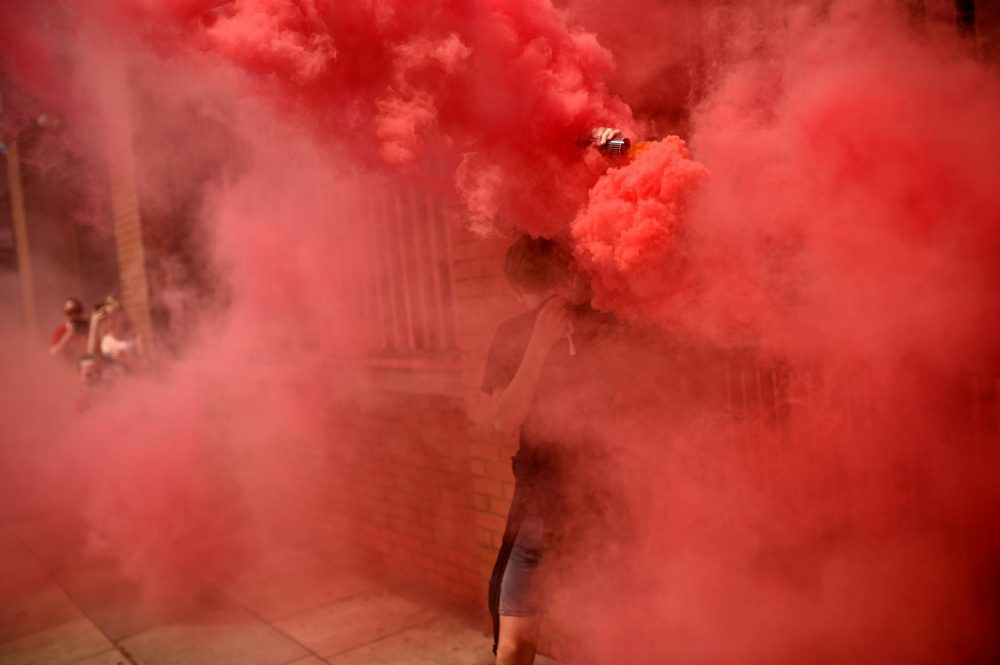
(520, 595)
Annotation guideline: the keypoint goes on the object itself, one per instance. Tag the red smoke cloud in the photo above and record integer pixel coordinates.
(850, 204)
(851, 201)
(839, 507)
(629, 235)
(502, 87)
(190, 470)
(849, 234)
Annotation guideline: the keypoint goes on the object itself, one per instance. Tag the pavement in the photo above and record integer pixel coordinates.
(286, 605)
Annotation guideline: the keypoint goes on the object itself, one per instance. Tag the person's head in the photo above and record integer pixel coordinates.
(90, 369)
(537, 268)
(73, 309)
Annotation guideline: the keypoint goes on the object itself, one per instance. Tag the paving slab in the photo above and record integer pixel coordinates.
(58, 645)
(230, 638)
(33, 607)
(444, 641)
(122, 610)
(291, 582)
(276, 605)
(347, 624)
(110, 657)
(308, 660)
(107, 598)
(19, 566)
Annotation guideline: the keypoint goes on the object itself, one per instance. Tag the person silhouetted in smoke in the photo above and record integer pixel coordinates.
(542, 372)
(113, 339)
(91, 381)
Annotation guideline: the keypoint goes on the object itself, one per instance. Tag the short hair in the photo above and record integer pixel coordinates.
(536, 264)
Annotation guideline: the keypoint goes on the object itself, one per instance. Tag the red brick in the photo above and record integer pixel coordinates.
(463, 560)
(481, 502)
(485, 452)
(500, 470)
(489, 487)
(499, 506)
(489, 521)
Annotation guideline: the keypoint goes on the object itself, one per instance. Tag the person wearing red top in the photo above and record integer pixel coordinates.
(69, 339)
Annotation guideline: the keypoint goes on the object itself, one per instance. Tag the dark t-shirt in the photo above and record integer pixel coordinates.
(573, 390)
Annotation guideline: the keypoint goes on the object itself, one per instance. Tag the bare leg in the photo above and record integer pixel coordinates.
(518, 640)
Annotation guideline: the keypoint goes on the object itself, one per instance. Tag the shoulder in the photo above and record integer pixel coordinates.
(508, 346)
(515, 331)
(514, 324)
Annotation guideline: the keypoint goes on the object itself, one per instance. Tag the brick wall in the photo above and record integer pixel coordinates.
(410, 473)
(433, 484)
(413, 495)
(482, 301)
(426, 488)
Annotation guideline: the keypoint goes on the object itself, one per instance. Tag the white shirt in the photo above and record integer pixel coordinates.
(114, 348)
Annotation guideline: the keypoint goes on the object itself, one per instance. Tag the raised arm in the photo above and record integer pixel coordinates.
(511, 404)
(94, 336)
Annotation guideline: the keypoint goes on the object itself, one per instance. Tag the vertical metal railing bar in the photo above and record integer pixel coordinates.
(417, 228)
(439, 321)
(397, 225)
(436, 296)
(362, 251)
(408, 277)
(392, 257)
(442, 272)
(366, 209)
(422, 240)
(441, 206)
(385, 267)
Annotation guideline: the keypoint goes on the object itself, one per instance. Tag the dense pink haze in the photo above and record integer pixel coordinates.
(847, 228)
(505, 87)
(805, 237)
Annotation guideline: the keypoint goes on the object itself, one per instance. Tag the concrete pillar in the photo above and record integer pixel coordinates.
(126, 217)
(25, 272)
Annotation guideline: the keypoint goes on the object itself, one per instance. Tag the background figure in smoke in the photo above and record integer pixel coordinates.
(91, 382)
(113, 339)
(69, 339)
(851, 220)
(542, 372)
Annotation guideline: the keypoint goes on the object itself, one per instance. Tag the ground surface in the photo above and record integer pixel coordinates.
(61, 606)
